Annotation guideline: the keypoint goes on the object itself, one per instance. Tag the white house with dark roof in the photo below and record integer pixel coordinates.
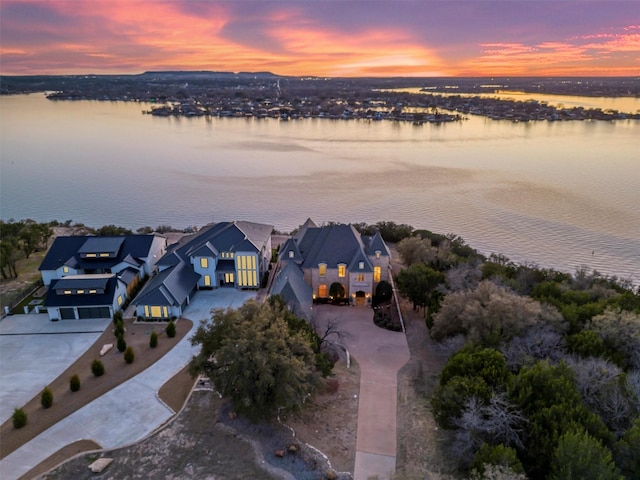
(335, 254)
(92, 277)
(226, 254)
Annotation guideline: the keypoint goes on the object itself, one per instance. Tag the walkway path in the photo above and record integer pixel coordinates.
(380, 354)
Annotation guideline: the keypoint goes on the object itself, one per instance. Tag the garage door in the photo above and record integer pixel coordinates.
(94, 312)
(67, 314)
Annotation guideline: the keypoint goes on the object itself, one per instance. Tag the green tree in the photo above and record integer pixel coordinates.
(19, 418)
(418, 282)
(170, 329)
(46, 398)
(153, 340)
(97, 368)
(496, 455)
(122, 343)
(74, 383)
(579, 456)
(586, 343)
(486, 363)
(627, 450)
(129, 355)
(415, 250)
(252, 357)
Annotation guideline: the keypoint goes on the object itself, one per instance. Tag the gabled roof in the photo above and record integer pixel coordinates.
(289, 252)
(376, 244)
(127, 275)
(358, 258)
(68, 251)
(303, 229)
(333, 245)
(291, 285)
(169, 287)
(53, 299)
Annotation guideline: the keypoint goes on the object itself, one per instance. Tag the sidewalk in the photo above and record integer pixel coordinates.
(380, 354)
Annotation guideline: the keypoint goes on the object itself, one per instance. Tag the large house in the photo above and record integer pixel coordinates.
(92, 277)
(226, 254)
(332, 260)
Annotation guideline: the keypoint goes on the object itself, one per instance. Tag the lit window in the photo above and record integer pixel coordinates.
(146, 311)
(322, 270)
(104, 254)
(156, 312)
(361, 265)
(342, 270)
(120, 300)
(91, 255)
(322, 291)
(207, 280)
(204, 263)
(165, 312)
(67, 292)
(65, 269)
(231, 255)
(228, 278)
(93, 291)
(376, 274)
(290, 253)
(80, 291)
(361, 277)
(378, 252)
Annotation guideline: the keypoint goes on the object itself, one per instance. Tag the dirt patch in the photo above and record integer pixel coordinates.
(117, 371)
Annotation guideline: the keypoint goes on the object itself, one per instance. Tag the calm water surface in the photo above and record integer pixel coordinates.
(562, 195)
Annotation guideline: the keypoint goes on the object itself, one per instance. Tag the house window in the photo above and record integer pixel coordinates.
(361, 277)
(65, 269)
(228, 278)
(146, 311)
(207, 280)
(67, 292)
(120, 300)
(104, 254)
(93, 291)
(156, 312)
(342, 270)
(361, 265)
(204, 263)
(165, 312)
(376, 274)
(91, 255)
(322, 269)
(290, 253)
(79, 292)
(322, 291)
(247, 271)
(378, 252)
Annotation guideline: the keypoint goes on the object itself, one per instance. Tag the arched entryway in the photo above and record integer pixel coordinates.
(361, 297)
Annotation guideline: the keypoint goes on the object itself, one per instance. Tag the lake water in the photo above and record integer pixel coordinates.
(560, 194)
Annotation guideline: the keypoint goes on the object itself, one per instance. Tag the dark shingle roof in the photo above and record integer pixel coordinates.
(169, 287)
(81, 300)
(291, 285)
(290, 252)
(333, 245)
(376, 243)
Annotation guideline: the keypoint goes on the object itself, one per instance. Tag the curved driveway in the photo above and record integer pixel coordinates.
(129, 412)
(380, 354)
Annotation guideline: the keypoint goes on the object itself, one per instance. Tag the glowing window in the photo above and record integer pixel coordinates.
(322, 291)
(290, 253)
(361, 265)
(93, 291)
(65, 269)
(91, 255)
(67, 292)
(146, 311)
(376, 274)
(120, 300)
(204, 262)
(228, 278)
(165, 312)
(207, 280)
(104, 254)
(322, 270)
(156, 312)
(80, 292)
(342, 270)
(361, 277)
(378, 252)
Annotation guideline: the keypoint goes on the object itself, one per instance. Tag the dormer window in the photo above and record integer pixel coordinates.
(361, 265)
(378, 252)
(65, 269)
(290, 253)
(322, 269)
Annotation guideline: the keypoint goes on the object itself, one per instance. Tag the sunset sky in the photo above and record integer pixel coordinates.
(323, 38)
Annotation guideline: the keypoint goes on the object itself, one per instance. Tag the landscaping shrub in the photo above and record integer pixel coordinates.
(19, 418)
(46, 398)
(97, 368)
(171, 329)
(153, 340)
(118, 331)
(122, 344)
(74, 383)
(117, 317)
(129, 356)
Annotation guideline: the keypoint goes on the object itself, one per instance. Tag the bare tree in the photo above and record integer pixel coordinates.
(535, 344)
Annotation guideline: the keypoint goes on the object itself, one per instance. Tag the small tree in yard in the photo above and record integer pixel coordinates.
(122, 343)
(97, 367)
(19, 418)
(153, 340)
(171, 329)
(129, 356)
(46, 398)
(74, 383)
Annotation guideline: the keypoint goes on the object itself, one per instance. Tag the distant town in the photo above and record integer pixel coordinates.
(266, 95)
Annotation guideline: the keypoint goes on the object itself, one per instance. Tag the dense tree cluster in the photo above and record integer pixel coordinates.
(261, 356)
(19, 240)
(545, 379)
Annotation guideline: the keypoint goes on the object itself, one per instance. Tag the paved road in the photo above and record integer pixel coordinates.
(129, 412)
(380, 354)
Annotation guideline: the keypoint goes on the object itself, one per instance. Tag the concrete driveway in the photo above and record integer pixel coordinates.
(34, 351)
(136, 400)
(380, 354)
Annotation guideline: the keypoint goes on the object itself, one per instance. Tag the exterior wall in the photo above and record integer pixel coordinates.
(48, 275)
(366, 285)
(331, 277)
(248, 269)
(210, 270)
(266, 256)
(157, 250)
(382, 262)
